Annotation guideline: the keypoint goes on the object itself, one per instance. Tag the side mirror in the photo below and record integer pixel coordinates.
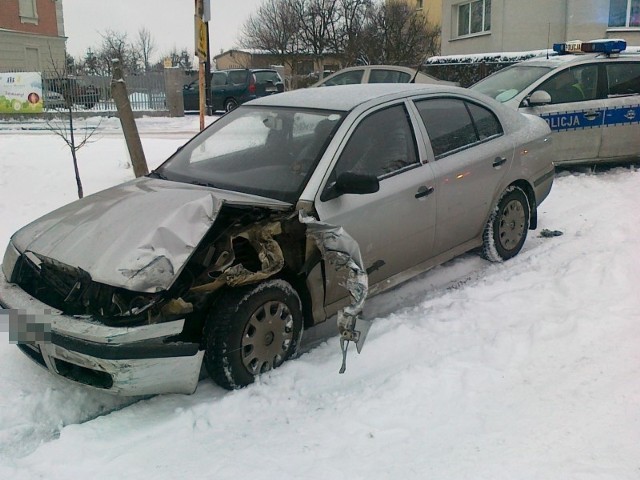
(539, 97)
(350, 182)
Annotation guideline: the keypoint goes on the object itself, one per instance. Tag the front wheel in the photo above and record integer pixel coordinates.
(252, 330)
(506, 229)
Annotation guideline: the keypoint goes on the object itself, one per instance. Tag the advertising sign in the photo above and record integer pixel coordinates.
(21, 92)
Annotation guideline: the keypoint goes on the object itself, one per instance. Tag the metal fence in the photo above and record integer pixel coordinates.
(146, 92)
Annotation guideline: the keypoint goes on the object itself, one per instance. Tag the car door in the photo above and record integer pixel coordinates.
(394, 226)
(218, 90)
(472, 156)
(575, 114)
(190, 96)
(621, 132)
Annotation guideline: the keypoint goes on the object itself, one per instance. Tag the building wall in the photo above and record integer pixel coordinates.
(45, 22)
(31, 53)
(519, 25)
(32, 43)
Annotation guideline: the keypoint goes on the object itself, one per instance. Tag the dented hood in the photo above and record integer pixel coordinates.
(138, 235)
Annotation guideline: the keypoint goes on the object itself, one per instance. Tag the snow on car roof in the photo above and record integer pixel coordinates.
(345, 97)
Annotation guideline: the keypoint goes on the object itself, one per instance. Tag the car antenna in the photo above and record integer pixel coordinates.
(548, 39)
(415, 75)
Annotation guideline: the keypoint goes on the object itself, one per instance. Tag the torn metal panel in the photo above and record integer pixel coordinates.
(339, 249)
(269, 252)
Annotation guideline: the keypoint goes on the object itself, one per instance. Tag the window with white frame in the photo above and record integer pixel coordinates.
(624, 13)
(28, 12)
(474, 17)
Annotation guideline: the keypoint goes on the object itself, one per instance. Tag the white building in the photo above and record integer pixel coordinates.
(479, 26)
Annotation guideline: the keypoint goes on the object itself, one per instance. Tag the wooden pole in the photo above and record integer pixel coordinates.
(203, 93)
(129, 128)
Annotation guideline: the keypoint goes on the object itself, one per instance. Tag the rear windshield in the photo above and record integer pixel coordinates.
(507, 83)
(266, 76)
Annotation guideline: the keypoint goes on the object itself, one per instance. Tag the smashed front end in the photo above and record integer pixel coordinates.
(122, 308)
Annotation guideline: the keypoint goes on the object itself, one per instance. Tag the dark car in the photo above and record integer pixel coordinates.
(73, 91)
(230, 88)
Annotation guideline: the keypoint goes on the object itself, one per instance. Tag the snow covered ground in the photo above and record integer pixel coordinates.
(522, 370)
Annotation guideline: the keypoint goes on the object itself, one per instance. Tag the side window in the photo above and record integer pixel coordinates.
(388, 76)
(486, 123)
(381, 144)
(623, 78)
(238, 77)
(267, 76)
(346, 78)
(574, 84)
(218, 79)
(448, 124)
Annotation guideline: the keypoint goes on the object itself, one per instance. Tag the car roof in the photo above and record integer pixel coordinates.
(347, 97)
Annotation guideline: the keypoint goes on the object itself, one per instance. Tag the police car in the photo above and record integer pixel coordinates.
(589, 94)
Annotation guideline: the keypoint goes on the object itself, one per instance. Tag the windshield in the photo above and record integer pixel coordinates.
(266, 151)
(507, 83)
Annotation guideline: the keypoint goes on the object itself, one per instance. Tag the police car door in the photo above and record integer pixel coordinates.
(621, 132)
(575, 114)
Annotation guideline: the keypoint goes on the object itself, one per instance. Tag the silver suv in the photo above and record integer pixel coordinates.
(589, 94)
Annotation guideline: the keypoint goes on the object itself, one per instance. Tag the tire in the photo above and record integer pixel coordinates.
(252, 330)
(230, 104)
(506, 229)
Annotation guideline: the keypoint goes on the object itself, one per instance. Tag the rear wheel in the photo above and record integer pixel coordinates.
(507, 227)
(230, 104)
(251, 331)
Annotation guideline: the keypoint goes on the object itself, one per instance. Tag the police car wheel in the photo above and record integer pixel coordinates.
(250, 331)
(506, 229)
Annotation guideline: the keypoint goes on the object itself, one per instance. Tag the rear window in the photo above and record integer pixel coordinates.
(388, 76)
(624, 78)
(266, 76)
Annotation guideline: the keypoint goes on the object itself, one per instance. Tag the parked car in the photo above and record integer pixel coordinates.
(377, 74)
(588, 94)
(71, 88)
(218, 256)
(53, 100)
(230, 88)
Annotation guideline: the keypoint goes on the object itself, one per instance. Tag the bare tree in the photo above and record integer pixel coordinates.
(396, 34)
(64, 126)
(275, 27)
(146, 46)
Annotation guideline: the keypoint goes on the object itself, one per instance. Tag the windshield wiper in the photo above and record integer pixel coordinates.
(203, 184)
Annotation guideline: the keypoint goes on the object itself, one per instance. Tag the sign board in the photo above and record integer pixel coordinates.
(201, 38)
(21, 92)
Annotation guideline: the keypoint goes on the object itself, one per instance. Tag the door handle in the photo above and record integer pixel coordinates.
(591, 115)
(424, 191)
(498, 161)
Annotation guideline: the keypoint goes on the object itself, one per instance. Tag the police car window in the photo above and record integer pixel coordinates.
(507, 83)
(381, 144)
(623, 78)
(575, 84)
(448, 124)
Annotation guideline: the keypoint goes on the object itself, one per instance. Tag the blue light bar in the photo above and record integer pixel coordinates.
(606, 46)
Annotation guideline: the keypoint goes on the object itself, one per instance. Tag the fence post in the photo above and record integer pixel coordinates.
(173, 85)
(129, 128)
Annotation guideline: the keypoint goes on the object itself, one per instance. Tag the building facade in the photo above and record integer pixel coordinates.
(32, 36)
(480, 26)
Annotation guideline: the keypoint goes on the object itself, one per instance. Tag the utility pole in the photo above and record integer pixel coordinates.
(202, 15)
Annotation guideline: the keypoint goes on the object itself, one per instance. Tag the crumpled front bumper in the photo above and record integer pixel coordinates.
(120, 360)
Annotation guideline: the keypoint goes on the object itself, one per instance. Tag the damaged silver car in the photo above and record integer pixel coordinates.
(281, 215)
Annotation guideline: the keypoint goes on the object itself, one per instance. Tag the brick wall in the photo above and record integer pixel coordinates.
(46, 23)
